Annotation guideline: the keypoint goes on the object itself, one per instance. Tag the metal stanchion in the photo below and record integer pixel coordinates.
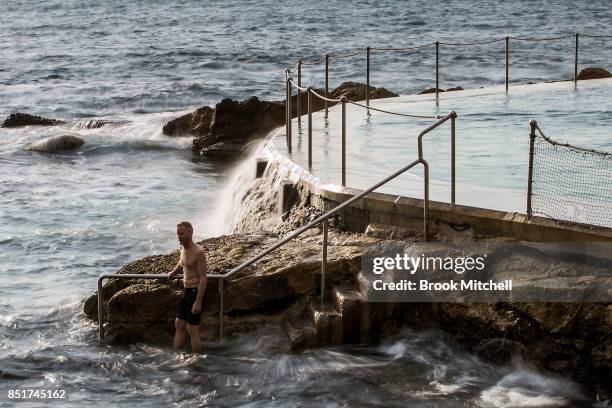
(576, 61)
(367, 94)
(287, 121)
(326, 81)
(453, 159)
(437, 68)
(324, 261)
(299, 93)
(289, 114)
(507, 60)
(221, 309)
(309, 129)
(532, 135)
(343, 99)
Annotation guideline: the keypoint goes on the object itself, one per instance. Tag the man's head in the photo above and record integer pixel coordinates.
(184, 232)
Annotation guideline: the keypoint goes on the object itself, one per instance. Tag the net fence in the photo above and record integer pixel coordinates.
(570, 183)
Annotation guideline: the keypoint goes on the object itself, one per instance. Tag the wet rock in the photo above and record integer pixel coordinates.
(23, 119)
(430, 91)
(56, 144)
(440, 90)
(141, 310)
(196, 123)
(593, 73)
(390, 231)
(231, 125)
(234, 124)
(98, 123)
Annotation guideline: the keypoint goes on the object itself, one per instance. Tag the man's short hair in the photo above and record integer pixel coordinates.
(185, 224)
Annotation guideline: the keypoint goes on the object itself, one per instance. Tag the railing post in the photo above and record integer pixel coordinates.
(287, 107)
(289, 114)
(532, 135)
(343, 99)
(299, 93)
(221, 309)
(576, 61)
(367, 94)
(326, 81)
(100, 311)
(507, 60)
(437, 68)
(309, 129)
(453, 157)
(426, 201)
(324, 261)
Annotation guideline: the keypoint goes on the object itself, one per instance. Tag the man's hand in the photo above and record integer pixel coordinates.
(196, 308)
(171, 275)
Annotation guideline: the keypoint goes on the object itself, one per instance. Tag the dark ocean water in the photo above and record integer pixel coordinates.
(64, 219)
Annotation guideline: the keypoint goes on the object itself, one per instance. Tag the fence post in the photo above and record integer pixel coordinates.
(454, 115)
(576, 61)
(367, 95)
(437, 68)
(425, 200)
(343, 99)
(221, 309)
(507, 60)
(326, 81)
(287, 121)
(324, 260)
(289, 114)
(309, 129)
(532, 135)
(299, 93)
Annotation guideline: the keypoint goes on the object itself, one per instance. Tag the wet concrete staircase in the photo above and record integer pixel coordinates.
(346, 317)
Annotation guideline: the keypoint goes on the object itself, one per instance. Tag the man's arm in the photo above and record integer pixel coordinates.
(202, 271)
(178, 266)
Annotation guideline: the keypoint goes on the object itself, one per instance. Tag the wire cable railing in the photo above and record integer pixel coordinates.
(437, 44)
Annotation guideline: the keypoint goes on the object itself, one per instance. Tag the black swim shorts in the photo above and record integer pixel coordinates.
(185, 304)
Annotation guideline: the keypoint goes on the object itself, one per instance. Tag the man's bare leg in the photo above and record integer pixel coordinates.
(194, 333)
(180, 334)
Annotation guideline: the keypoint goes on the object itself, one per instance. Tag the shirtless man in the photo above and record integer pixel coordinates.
(193, 264)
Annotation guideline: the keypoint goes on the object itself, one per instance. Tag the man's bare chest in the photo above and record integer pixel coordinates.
(189, 260)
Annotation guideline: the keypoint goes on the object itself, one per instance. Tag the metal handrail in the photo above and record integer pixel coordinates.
(321, 219)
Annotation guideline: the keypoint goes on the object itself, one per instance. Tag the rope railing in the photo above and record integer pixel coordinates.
(408, 115)
(472, 43)
(596, 36)
(543, 39)
(352, 54)
(404, 49)
(437, 44)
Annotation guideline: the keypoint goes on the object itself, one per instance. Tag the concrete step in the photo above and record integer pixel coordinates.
(363, 284)
(354, 310)
(301, 333)
(327, 322)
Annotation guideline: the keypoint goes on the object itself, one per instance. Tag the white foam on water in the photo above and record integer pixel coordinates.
(526, 388)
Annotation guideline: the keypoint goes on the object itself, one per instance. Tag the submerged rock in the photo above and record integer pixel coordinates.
(23, 119)
(224, 131)
(56, 144)
(594, 73)
(440, 90)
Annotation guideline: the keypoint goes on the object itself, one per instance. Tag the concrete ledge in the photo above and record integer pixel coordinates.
(408, 212)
